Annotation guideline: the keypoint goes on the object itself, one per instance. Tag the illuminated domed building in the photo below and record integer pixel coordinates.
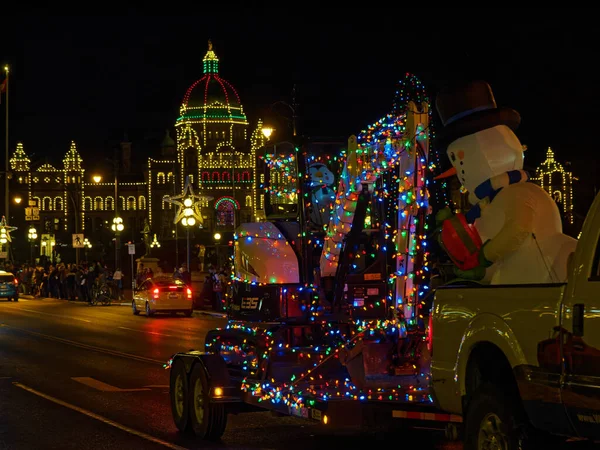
(214, 148)
(558, 182)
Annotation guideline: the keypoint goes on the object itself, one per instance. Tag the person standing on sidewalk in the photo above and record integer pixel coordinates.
(118, 282)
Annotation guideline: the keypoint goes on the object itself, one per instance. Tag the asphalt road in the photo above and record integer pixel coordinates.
(79, 377)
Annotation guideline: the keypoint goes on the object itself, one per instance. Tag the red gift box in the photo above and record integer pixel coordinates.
(461, 241)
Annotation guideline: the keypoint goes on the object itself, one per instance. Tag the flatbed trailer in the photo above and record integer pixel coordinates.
(243, 372)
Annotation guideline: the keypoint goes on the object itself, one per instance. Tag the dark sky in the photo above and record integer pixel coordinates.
(91, 79)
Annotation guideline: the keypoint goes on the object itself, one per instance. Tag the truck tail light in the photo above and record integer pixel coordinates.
(156, 294)
(189, 294)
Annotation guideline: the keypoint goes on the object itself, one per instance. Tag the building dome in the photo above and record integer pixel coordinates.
(211, 99)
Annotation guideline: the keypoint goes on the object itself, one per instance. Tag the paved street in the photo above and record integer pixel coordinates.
(79, 377)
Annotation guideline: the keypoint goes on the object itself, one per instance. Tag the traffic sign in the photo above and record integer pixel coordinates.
(131, 249)
(78, 240)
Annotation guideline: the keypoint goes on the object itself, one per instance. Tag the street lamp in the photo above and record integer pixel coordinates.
(97, 178)
(155, 242)
(117, 226)
(188, 221)
(18, 200)
(86, 244)
(32, 236)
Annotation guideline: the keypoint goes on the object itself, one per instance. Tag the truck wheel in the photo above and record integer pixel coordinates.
(179, 390)
(207, 420)
(492, 421)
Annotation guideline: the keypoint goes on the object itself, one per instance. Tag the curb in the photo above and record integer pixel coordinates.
(211, 314)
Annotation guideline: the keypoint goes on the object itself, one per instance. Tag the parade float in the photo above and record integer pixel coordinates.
(332, 320)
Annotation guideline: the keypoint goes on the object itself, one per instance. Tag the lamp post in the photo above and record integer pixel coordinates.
(117, 227)
(86, 244)
(217, 237)
(32, 236)
(188, 221)
(155, 243)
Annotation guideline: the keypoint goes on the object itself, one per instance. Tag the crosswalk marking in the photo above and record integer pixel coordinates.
(101, 386)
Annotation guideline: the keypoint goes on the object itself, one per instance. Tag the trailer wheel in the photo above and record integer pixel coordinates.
(179, 395)
(207, 420)
(493, 420)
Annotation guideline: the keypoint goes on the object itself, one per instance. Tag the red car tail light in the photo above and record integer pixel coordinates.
(156, 293)
(189, 293)
(16, 282)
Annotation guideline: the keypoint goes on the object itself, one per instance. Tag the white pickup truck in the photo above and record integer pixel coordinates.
(522, 362)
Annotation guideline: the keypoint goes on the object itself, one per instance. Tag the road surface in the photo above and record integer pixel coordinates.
(83, 377)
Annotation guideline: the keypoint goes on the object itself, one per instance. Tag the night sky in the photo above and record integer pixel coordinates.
(93, 79)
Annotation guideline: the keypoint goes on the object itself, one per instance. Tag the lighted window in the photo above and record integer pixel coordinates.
(170, 177)
(98, 204)
(215, 176)
(58, 204)
(226, 176)
(205, 176)
(87, 203)
(165, 204)
(142, 202)
(110, 203)
(160, 178)
(47, 204)
(249, 201)
(225, 214)
(131, 204)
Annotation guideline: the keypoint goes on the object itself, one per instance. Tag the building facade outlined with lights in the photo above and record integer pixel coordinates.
(214, 147)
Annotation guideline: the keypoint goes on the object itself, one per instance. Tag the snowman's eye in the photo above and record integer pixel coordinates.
(452, 156)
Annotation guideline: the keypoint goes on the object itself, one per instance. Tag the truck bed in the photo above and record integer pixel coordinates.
(501, 315)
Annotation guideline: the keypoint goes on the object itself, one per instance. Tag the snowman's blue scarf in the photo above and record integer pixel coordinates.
(489, 189)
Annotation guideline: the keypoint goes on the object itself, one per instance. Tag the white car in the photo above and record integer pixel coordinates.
(162, 294)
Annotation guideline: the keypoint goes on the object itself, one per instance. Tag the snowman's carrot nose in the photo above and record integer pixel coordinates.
(447, 174)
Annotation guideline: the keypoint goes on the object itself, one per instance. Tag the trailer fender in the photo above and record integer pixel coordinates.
(215, 369)
(213, 364)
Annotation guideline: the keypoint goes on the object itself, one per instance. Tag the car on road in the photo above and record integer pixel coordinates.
(163, 294)
(9, 286)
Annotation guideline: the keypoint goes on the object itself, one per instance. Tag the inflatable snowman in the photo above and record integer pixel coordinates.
(518, 222)
(322, 194)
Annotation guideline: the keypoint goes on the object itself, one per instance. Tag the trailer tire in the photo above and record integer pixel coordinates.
(495, 418)
(207, 420)
(179, 389)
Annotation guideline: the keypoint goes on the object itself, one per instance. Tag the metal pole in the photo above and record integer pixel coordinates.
(117, 234)
(132, 274)
(187, 231)
(31, 251)
(175, 174)
(6, 169)
(6, 162)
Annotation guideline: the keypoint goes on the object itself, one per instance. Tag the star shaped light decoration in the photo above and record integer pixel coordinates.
(188, 203)
(5, 231)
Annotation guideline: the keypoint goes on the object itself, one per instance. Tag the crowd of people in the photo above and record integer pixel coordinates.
(67, 281)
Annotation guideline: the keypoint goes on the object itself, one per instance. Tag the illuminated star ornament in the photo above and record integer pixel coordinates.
(189, 204)
(5, 231)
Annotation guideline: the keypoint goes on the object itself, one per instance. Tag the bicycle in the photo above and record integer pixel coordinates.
(102, 293)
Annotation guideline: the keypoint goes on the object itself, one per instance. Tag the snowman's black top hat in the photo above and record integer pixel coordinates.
(468, 108)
